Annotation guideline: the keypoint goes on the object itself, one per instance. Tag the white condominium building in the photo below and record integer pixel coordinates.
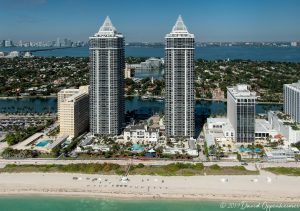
(107, 100)
(292, 100)
(179, 69)
(73, 111)
(241, 112)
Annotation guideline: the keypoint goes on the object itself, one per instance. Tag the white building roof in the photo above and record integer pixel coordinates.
(262, 126)
(76, 96)
(217, 120)
(107, 29)
(241, 90)
(228, 128)
(295, 85)
(180, 30)
(57, 141)
(210, 140)
(179, 26)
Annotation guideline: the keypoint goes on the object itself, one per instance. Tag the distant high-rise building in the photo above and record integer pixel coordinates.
(57, 44)
(291, 100)
(66, 43)
(73, 111)
(241, 112)
(293, 44)
(107, 80)
(179, 69)
(13, 54)
(8, 43)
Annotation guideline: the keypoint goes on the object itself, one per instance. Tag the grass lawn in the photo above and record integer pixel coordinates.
(92, 168)
(174, 169)
(284, 171)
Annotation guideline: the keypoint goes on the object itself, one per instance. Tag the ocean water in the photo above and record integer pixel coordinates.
(287, 54)
(15, 203)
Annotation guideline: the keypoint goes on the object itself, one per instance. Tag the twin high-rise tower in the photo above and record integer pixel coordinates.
(179, 69)
(107, 81)
(107, 106)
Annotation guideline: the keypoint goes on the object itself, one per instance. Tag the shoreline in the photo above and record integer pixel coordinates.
(134, 197)
(27, 97)
(149, 197)
(144, 187)
(154, 98)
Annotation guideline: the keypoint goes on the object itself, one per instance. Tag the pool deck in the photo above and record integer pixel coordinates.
(25, 144)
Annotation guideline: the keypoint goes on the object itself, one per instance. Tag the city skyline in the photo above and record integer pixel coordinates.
(216, 20)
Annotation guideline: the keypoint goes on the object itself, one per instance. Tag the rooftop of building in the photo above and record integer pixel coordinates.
(295, 85)
(135, 127)
(107, 29)
(217, 120)
(262, 126)
(76, 96)
(86, 141)
(228, 127)
(76, 93)
(142, 127)
(180, 30)
(285, 119)
(57, 141)
(241, 90)
(68, 91)
(281, 151)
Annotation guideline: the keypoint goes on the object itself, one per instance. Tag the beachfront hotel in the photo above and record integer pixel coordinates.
(241, 112)
(107, 80)
(291, 100)
(73, 111)
(179, 73)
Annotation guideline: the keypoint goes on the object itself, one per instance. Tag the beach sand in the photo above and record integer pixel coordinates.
(264, 187)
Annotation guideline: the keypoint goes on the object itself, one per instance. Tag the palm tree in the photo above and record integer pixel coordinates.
(229, 147)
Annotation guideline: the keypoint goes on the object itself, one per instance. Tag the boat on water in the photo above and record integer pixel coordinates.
(160, 99)
(145, 97)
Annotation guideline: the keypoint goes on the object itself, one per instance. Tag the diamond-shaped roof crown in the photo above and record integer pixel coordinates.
(179, 26)
(179, 30)
(107, 28)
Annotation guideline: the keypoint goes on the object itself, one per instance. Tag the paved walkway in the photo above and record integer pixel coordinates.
(3, 145)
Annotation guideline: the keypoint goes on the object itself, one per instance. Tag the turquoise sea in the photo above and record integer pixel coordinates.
(17, 203)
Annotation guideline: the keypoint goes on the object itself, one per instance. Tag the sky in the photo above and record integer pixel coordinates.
(150, 20)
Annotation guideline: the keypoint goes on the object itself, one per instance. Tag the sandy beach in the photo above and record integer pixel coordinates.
(264, 187)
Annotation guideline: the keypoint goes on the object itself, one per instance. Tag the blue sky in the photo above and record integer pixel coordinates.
(150, 20)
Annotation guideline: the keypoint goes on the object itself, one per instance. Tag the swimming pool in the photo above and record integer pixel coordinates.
(137, 147)
(42, 143)
(257, 150)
